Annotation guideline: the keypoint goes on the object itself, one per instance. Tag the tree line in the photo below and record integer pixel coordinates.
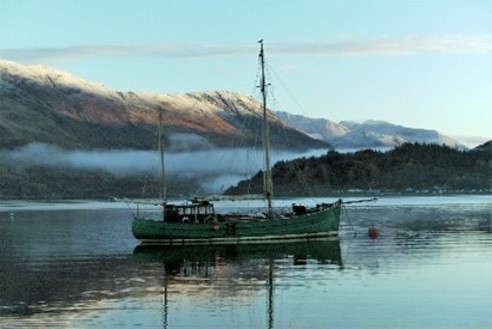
(409, 168)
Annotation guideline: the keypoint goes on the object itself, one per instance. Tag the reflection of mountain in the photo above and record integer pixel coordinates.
(27, 287)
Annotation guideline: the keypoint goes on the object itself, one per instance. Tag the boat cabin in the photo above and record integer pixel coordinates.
(195, 212)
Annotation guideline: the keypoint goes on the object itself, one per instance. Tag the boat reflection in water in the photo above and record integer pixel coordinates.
(238, 268)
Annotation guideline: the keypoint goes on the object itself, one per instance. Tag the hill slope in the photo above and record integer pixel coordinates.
(485, 147)
(39, 104)
(408, 168)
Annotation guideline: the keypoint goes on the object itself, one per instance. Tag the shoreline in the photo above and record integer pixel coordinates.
(279, 196)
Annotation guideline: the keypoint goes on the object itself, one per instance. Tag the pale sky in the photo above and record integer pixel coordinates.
(422, 64)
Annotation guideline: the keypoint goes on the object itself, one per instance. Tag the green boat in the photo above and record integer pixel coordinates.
(197, 221)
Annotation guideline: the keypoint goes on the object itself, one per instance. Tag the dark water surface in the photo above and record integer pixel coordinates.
(76, 265)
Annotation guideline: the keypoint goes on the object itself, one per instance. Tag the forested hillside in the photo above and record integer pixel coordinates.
(411, 168)
(48, 183)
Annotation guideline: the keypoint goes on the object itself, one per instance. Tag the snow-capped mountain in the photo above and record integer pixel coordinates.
(40, 104)
(13, 72)
(368, 134)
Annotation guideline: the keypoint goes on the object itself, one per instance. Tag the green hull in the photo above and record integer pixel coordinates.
(313, 225)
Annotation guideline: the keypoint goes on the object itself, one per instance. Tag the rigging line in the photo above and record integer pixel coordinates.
(219, 156)
(277, 76)
(131, 208)
(254, 89)
(147, 175)
(344, 210)
(237, 140)
(250, 152)
(250, 122)
(303, 180)
(297, 170)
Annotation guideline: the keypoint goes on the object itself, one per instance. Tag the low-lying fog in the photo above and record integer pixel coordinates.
(216, 168)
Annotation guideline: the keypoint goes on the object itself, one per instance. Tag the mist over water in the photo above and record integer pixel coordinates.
(217, 169)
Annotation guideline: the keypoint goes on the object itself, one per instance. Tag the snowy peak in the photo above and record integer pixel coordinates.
(211, 102)
(26, 88)
(43, 75)
(41, 104)
(322, 129)
(390, 135)
(45, 104)
(13, 74)
(368, 134)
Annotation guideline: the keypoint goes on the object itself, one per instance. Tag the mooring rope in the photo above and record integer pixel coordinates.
(344, 210)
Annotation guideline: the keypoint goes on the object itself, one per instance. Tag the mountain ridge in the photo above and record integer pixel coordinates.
(368, 134)
(50, 121)
(40, 104)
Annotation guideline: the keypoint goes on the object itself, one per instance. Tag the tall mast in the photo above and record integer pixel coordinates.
(162, 191)
(266, 134)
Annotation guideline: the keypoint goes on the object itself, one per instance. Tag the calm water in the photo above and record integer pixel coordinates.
(76, 265)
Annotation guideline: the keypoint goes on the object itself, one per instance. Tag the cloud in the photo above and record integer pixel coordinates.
(72, 53)
(408, 45)
(471, 141)
(216, 169)
(346, 46)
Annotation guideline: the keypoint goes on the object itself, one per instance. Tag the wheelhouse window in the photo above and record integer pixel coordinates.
(192, 210)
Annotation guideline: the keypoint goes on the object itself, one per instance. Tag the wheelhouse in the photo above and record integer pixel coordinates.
(195, 212)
